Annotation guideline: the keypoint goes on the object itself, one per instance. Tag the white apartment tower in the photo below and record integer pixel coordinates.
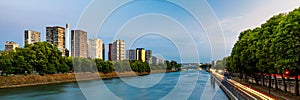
(118, 50)
(95, 48)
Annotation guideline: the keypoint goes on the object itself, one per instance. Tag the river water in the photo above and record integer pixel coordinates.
(192, 85)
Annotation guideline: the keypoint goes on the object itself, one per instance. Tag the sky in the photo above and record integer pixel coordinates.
(194, 31)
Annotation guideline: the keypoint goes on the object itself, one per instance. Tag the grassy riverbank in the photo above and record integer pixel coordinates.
(30, 80)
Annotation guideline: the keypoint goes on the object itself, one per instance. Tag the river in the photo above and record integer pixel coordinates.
(192, 85)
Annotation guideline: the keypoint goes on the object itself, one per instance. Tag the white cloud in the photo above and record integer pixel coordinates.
(257, 16)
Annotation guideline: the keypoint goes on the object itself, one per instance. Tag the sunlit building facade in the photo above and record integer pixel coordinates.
(141, 54)
(10, 45)
(95, 48)
(118, 50)
(56, 35)
(31, 37)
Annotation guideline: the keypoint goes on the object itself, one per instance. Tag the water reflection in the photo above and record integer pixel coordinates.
(71, 91)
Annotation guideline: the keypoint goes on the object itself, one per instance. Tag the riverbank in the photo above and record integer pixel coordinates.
(31, 80)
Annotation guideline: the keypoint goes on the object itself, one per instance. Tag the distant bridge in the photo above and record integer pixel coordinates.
(197, 66)
(190, 67)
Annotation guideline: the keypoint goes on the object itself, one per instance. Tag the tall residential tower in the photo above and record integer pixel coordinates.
(149, 56)
(118, 50)
(141, 54)
(79, 43)
(96, 48)
(109, 52)
(56, 35)
(131, 54)
(31, 37)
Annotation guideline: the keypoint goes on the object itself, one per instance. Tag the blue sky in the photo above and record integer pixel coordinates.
(167, 29)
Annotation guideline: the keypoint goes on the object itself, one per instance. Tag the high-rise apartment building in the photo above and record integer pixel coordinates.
(103, 51)
(141, 54)
(161, 61)
(149, 56)
(154, 60)
(10, 45)
(110, 52)
(56, 35)
(118, 50)
(131, 54)
(79, 46)
(95, 48)
(31, 37)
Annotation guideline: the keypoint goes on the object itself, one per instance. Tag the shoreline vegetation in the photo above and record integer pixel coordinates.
(43, 63)
(33, 80)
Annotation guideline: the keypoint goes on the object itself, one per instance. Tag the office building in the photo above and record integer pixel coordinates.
(95, 48)
(10, 45)
(79, 46)
(118, 50)
(131, 54)
(141, 54)
(31, 37)
(56, 35)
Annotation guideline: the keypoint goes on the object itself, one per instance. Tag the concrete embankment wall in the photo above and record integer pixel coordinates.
(230, 95)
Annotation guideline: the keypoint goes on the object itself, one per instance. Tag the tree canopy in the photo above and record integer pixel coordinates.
(270, 48)
(45, 58)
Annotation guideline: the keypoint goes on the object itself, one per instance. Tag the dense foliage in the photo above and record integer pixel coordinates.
(220, 64)
(172, 64)
(40, 58)
(45, 58)
(269, 49)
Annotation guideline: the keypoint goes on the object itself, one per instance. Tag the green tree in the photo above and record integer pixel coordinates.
(168, 64)
(271, 48)
(6, 64)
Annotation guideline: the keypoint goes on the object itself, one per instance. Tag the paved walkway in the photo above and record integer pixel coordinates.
(277, 94)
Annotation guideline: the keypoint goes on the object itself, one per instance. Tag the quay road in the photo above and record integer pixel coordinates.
(235, 90)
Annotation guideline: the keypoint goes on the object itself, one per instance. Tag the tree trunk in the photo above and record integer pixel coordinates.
(241, 77)
(284, 84)
(289, 84)
(276, 84)
(263, 80)
(255, 78)
(260, 79)
(270, 84)
(247, 78)
(297, 83)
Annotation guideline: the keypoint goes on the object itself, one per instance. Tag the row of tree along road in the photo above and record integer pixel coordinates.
(44, 58)
(272, 48)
